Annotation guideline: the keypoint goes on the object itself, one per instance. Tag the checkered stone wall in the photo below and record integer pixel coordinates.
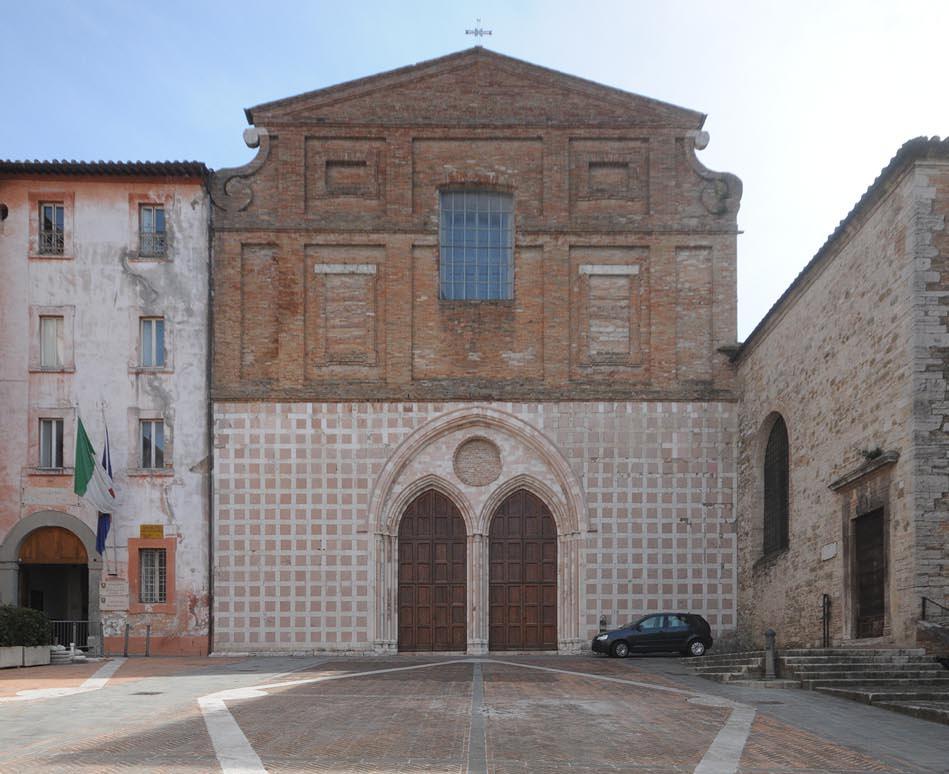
(642, 492)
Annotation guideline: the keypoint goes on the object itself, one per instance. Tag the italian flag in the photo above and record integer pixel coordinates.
(92, 481)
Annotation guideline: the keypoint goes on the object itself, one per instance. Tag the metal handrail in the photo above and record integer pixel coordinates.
(51, 242)
(926, 600)
(152, 243)
(85, 634)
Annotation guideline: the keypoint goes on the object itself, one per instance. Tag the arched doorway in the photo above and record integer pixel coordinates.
(432, 575)
(54, 574)
(522, 575)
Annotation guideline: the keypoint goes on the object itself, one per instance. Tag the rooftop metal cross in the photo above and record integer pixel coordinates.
(477, 31)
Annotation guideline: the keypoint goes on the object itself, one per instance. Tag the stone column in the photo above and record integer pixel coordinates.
(8, 583)
(386, 593)
(477, 594)
(570, 592)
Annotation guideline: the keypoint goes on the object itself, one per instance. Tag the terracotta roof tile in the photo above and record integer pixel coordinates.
(189, 169)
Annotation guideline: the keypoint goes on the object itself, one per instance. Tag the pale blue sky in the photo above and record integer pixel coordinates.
(806, 100)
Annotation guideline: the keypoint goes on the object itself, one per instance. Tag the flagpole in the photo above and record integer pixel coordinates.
(112, 525)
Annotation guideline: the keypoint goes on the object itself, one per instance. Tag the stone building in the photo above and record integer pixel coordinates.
(103, 314)
(468, 383)
(843, 468)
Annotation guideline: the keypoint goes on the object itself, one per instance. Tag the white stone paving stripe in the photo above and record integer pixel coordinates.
(477, 749)
(98, 680)
(102, 675)
(233, 751)
(724, 755)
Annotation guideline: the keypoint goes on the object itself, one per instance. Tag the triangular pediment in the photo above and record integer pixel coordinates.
(475, 86)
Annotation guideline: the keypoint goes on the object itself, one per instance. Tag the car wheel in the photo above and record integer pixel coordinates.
(696, 648)
(620, 649)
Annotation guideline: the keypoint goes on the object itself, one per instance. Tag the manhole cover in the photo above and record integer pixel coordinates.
(769, 702)
(147, 693)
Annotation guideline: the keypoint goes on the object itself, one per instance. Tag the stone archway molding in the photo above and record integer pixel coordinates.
(568, 507)
(10, 551)
(439, 484)
(384, 516)
(556, 505)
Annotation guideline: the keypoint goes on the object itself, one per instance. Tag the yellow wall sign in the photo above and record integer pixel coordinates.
(151, 531)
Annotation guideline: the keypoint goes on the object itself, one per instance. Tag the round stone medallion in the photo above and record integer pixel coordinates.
(477, 462)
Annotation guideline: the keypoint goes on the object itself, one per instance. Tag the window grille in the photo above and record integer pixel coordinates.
(153, 443)
(151, 230)
(51, 443)
(776, 489)
(52, 220)
(152, 342)
(152, 568)
(476, 246)
(51, 342)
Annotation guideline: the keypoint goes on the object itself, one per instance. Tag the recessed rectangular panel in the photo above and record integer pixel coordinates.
(694, 298)
(259, 306)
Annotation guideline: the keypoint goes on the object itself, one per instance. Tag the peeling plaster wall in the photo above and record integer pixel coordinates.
(102, 287)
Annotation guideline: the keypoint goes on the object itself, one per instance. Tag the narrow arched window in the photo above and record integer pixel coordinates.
(776, 489)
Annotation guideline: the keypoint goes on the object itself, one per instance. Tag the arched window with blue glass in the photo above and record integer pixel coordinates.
(476, 245)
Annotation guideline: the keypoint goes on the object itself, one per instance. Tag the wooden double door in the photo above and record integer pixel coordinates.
(522, 576)
(432, 576)
(522, 593)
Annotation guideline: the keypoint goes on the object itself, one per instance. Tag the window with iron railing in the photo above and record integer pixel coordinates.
(151, 230)
(52, 228)
(152, 581)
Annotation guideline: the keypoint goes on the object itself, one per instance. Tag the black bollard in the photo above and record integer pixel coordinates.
(769, 655)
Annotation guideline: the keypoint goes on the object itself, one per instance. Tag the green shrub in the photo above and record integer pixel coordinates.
(23, 626)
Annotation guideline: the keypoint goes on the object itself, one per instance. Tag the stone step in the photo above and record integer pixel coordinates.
(859, 682)
(937, 711)
(718, 677)
(713, 658)
(734, 673)
(854, 659)
(724, 665)
(762, 683)
(922, 664)
(851, 651)
(868, 675)
(873, 696)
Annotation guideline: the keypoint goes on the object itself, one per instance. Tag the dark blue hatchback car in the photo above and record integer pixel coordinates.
(687, 633)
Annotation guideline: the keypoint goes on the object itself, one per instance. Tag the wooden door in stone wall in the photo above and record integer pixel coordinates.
(432, 575)
(870, 573)
(522, 576)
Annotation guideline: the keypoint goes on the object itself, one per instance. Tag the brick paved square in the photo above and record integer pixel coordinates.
(437, 714)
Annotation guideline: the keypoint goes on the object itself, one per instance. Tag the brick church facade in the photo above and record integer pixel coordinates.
(468, 386)
(474, 384)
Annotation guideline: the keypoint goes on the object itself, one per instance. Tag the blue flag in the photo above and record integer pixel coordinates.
(102, 531)
(105, 519)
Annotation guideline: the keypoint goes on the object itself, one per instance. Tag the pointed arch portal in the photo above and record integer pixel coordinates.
(437, 584)
(522, 564)
(432, 575)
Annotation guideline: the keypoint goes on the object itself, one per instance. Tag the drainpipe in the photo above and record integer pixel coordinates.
(210, 415)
